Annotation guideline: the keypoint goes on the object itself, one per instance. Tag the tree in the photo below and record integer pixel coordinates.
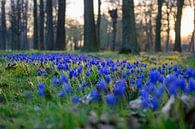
(13, 28)
(169, 11)
(3, 28)
(192, 42)
(90, 43)
(49, 26)
(98, 23)
(158, 27)
(35, 32)
(168, 27)
(177, 47)
(74, 32)
(148, 10)
(18, 23)
(41, 25)
(61, 36)
(129, 43)
(24, 24)
(114, 16)
(18, 29)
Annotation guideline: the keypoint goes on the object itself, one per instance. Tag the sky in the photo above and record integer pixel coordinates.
(187, 21)
(75, 7)
(75, 10)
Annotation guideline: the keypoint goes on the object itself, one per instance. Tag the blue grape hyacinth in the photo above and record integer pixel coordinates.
(41, 89)
(111, 99)
(101, 84)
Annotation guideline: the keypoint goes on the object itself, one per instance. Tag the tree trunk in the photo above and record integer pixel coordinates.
(98, 23)
(18, 25)
(168, 12)
(193, 43)
(90, 43)
(35, 32)
(168, 31)
(158, 27)
(114, 15)
(177, 47)
(76, 41)
(24, 25)
(114, 25)
(129, 43)
(12, 24)
(193, 34)
(49, 26)
(3, 29)
(150, 29)
(61, 36)
(41, 25)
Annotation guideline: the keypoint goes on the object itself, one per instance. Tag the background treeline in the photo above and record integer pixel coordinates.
(124, 26)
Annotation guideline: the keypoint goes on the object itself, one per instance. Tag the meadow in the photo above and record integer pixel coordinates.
(53, 90)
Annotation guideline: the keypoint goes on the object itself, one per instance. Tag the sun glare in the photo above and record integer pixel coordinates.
(75, 10)
(187, 22)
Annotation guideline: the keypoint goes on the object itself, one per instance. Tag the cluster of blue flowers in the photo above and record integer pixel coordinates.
(108, 80)
(41, 89)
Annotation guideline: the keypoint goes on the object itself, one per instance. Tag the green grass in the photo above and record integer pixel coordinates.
(51, 112)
